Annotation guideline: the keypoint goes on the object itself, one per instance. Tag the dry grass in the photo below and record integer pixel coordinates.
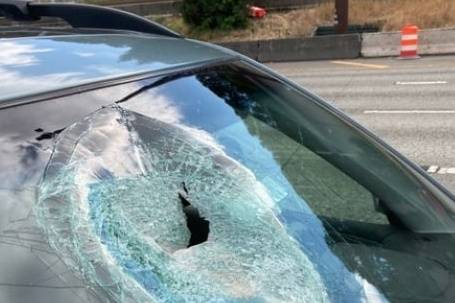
(294, 23)
(388, 15)
(301, 22)
(391, 15)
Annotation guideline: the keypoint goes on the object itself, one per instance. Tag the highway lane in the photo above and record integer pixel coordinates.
(408, 103)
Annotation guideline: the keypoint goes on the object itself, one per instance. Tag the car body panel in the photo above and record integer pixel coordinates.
(28, 65)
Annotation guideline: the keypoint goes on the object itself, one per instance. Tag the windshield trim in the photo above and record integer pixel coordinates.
(81, 88)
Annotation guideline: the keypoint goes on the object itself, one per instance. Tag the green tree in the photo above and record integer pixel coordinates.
(219, 14)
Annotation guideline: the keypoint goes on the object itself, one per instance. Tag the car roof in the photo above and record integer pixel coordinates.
(36, 65)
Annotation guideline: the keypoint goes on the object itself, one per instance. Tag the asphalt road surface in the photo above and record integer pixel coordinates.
(408, 103)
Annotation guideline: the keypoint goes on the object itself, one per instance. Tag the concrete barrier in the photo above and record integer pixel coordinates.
(437, 41)
(296, 49)
(313, 48)
(431, 42)
(247, 48)
(380, 44)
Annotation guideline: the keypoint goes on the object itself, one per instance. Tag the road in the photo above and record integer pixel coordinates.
(408, 103)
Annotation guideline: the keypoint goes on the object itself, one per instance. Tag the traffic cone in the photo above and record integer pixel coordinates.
(409, 38)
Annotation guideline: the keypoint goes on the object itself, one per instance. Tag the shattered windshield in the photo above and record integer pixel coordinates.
(131, 211)
(217, 185)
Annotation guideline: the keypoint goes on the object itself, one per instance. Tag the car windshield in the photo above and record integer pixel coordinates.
(220, 184)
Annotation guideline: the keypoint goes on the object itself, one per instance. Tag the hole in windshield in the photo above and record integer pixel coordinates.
(197, 225)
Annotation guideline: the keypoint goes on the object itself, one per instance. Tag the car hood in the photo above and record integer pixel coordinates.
(30, 66)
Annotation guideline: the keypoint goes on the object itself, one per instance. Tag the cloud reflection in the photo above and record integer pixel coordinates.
(13, 53)
(13, 82)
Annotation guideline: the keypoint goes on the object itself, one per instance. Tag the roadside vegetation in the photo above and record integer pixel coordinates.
(388, 15)
(300, 22)
(207, 14)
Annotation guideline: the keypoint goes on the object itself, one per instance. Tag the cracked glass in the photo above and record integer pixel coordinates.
(222, 184)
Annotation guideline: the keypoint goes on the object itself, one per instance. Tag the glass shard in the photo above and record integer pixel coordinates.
(109, 202)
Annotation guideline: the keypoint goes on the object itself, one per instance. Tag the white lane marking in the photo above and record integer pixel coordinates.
(432, 169)
(416, 111)
(420, 82)
(446, 170)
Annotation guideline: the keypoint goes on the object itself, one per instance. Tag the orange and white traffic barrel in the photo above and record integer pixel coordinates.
(409, 39)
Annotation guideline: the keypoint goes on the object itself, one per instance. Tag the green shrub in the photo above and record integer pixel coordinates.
(218, 14)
